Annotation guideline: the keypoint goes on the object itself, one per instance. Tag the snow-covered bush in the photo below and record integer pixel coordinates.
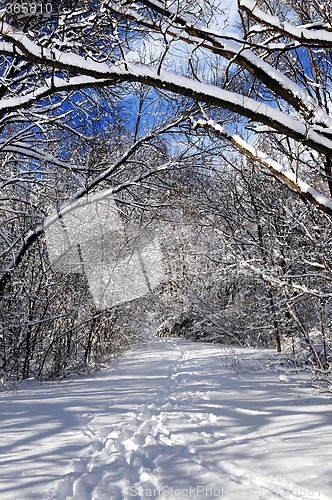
(313, 351)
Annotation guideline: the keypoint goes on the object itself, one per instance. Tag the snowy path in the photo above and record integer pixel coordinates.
(173, 420)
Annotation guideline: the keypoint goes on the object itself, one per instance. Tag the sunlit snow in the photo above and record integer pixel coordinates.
(174, 419)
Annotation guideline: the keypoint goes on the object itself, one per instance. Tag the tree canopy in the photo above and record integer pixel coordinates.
(150, 95)
(273, 71)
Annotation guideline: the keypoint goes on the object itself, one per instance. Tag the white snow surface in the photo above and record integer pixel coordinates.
(173, 419)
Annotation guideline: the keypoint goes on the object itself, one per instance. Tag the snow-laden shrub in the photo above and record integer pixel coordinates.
(190, 326)
(177, 326)
(313, 350)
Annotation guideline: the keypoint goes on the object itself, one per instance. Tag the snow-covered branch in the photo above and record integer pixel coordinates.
(312, 37)
(191, 31)
(290, 178)
(104, 75)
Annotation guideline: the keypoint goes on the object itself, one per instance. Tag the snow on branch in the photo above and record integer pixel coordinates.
(313, 38)
(290, 178)
(31, 152)
(91, 73)
(193, 33)
(211, 94)
(52, 86)
(190, 31)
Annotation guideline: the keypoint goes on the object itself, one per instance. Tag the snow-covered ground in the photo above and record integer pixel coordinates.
(174, 419)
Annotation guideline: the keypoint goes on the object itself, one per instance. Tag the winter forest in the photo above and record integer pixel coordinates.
(166, 249)
(209, 123)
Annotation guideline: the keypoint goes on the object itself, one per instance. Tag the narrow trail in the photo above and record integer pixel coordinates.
(178, 420)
